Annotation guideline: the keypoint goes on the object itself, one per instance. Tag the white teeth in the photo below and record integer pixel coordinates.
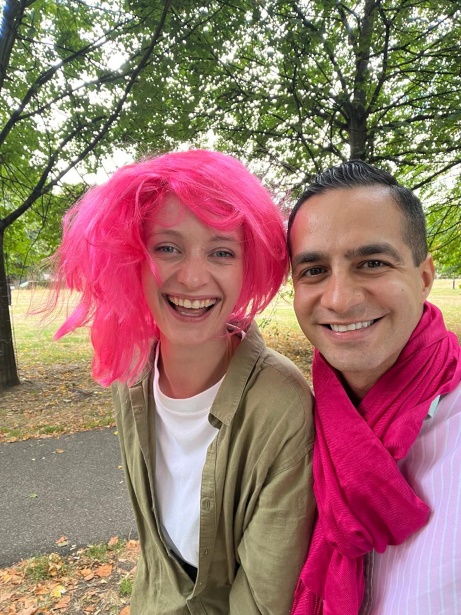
(194, 305)
(351, 327)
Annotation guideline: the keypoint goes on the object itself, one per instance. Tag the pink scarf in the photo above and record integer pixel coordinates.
(364, 503)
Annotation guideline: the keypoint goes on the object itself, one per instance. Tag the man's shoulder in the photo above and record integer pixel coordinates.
(452, 399)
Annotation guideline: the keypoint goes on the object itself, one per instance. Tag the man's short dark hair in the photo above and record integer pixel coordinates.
(356, 173)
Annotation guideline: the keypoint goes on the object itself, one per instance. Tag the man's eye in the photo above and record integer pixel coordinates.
(374, 264)
(311, 272)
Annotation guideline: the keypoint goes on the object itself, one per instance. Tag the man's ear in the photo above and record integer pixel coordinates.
(427, 272)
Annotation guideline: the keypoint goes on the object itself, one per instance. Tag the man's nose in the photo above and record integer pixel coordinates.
(193, 272)
(342, 292)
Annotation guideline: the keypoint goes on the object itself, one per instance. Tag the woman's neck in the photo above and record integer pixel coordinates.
(185, 371)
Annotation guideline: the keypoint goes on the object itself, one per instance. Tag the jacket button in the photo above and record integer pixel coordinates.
(207, 504)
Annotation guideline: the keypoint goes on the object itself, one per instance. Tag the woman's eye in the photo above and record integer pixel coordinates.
(165, 249)
(223, 254)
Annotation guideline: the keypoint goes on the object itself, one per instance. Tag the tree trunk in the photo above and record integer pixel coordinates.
(357, 111)
(8, 369)
(357, 131)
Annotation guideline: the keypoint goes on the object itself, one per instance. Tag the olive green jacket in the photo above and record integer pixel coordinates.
(257, 506)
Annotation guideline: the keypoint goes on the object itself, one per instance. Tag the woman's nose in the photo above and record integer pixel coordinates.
(193, 272)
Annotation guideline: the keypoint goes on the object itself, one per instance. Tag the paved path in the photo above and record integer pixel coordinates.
(69, 486)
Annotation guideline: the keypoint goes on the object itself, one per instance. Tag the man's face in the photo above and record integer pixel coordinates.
(358, 294)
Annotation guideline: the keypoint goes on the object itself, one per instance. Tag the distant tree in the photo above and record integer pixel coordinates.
(291, 86)
(68, 70)
(297, 85)
(36, 234)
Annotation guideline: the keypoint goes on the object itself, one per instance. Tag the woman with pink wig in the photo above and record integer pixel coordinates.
(172, 259)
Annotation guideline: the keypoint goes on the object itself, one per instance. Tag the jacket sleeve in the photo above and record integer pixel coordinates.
(274, 545)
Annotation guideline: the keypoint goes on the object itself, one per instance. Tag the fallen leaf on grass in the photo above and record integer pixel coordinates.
(104, 571)
(86, 573)
(62, 604)
(15, 579)
(125, 611)
(29, 611)
(113, 541)
(58, 591)
(29, 603)
(55, 565)
(5, 597)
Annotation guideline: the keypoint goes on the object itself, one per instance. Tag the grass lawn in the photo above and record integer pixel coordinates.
(57, 395)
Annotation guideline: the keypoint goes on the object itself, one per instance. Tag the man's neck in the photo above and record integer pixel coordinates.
(357, 389)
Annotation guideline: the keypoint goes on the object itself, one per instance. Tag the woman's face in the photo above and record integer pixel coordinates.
(201, 273)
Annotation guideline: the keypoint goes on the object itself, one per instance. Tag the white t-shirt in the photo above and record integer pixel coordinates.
(183, 435)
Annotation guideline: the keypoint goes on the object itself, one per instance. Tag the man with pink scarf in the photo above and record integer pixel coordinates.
(386, 375)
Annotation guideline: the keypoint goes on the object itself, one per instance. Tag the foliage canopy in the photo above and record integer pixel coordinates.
(290, 86)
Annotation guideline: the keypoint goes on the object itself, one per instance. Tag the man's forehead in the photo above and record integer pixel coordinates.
(369, 203)
(352, 222)
(351, 195)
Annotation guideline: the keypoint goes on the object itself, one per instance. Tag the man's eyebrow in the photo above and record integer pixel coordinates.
(372, 249)
(375, 249)
(308, 257)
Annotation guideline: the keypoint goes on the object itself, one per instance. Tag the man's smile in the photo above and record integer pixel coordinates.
(342, 328)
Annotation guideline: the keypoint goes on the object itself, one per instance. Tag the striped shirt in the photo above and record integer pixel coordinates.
(422, 576)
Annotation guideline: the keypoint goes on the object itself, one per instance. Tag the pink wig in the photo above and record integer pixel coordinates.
(103, 249)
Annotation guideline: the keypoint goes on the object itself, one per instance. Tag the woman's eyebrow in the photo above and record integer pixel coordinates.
(227, 238)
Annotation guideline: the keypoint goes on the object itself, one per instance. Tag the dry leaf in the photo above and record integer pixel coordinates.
(104, 571)
(5, 597)
(58, 591)
(113, 541)
(63, 541)
(62, 604)
(125, 611)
